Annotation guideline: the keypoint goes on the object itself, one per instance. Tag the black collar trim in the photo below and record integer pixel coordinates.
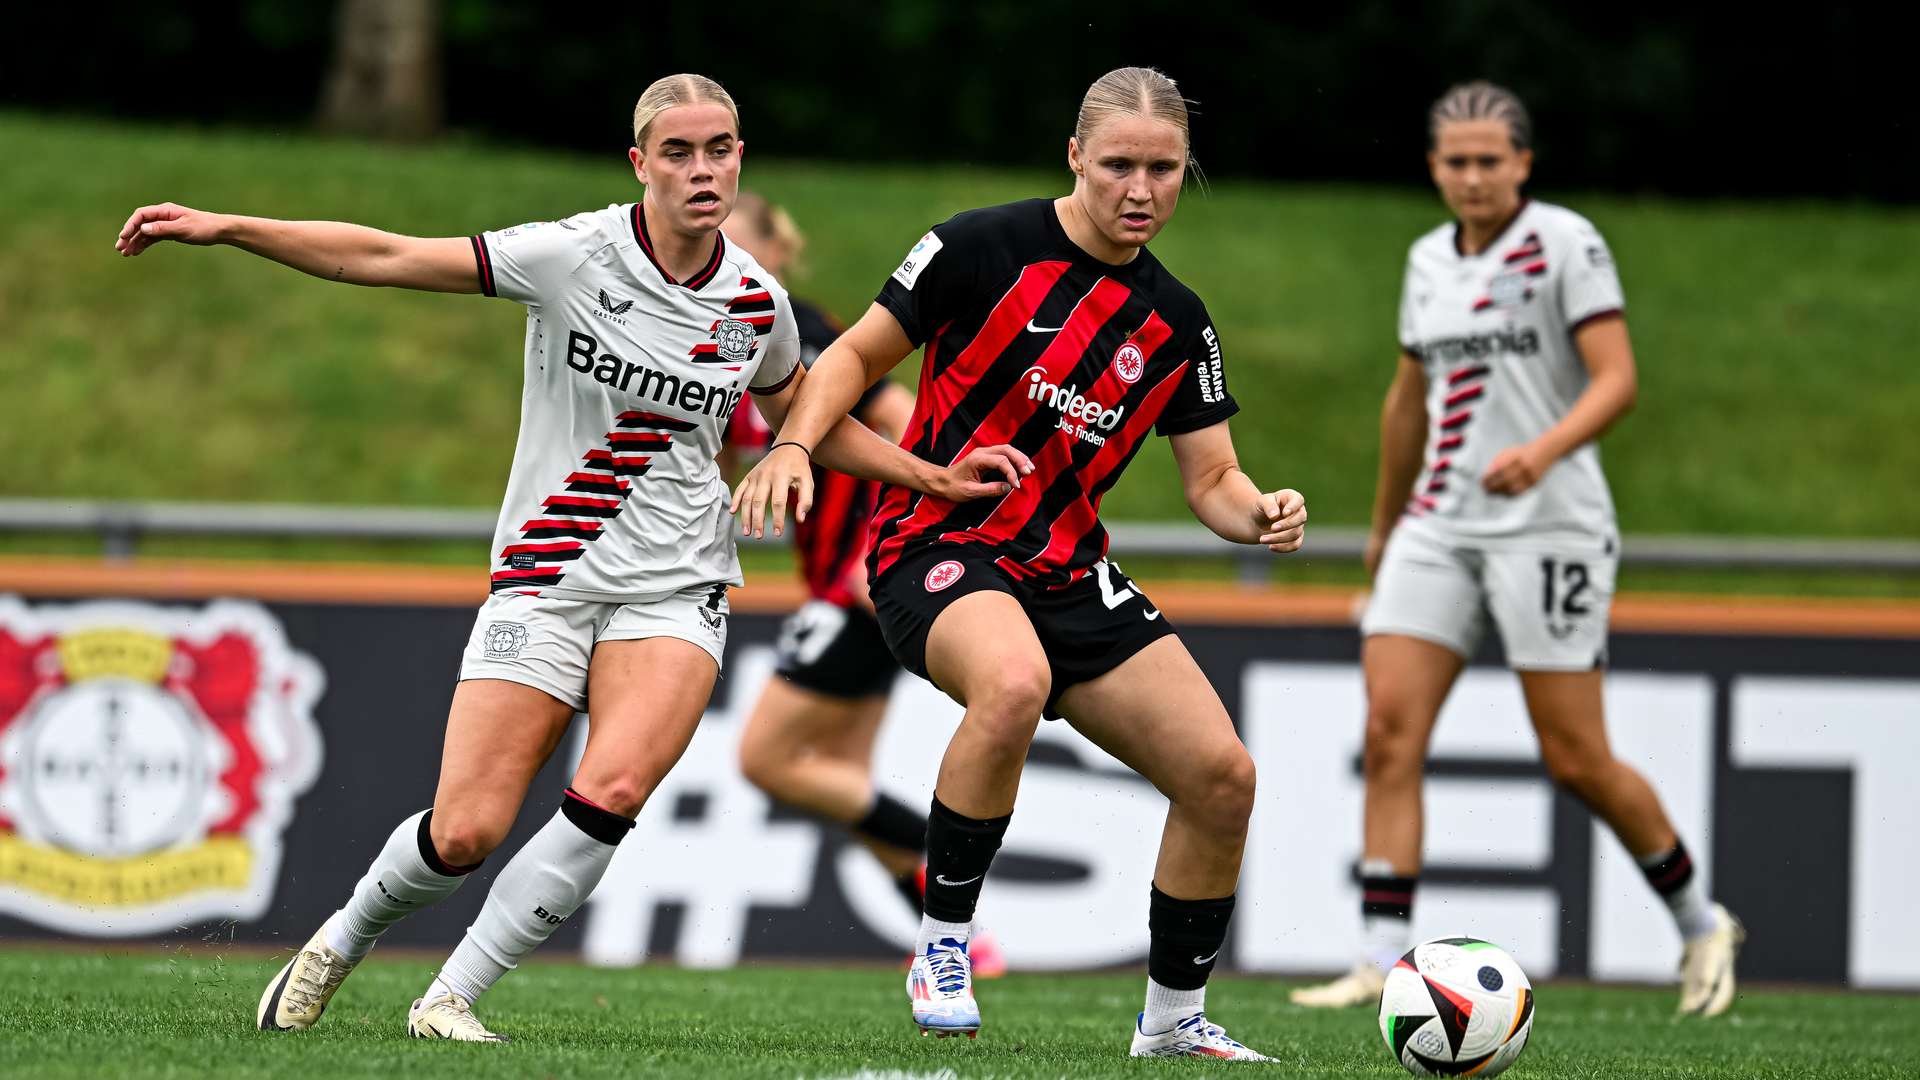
(697, 281)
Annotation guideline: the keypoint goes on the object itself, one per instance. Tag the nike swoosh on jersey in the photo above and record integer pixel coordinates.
(1151, 615)
(1032, 329)
(942, 879)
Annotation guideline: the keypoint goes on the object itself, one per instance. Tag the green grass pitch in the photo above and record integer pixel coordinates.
(72, 1013)
(1775, 340)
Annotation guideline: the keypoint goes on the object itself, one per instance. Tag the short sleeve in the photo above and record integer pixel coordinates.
(531, 263)
(1201, 399)
(782, 357)
(1589, 284)
(940, 275)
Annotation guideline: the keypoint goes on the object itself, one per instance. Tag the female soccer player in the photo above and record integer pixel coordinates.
(809, 741)
(1049, 324)
(1514, 359)
(644, 331)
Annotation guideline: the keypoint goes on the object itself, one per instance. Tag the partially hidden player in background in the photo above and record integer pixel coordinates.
(1048, 323)
(1514, 359)
(613, 554)
(809, 740)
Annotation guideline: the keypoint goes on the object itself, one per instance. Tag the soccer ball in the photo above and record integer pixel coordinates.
(1454, 1007)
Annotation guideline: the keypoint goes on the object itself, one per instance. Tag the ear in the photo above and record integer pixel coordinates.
(740, 150)
(1073, 156)
(1433, 166)
(639, 163)
(1526, 165)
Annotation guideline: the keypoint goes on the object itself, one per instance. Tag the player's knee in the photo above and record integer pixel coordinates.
(621, 793)
(1221, 789)
(463, 839)
(1391, 751)
(1578, 773)
(1008, 706)
(761, 764)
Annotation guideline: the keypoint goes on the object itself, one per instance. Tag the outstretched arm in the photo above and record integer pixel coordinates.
(1227, 501)
(334, 250)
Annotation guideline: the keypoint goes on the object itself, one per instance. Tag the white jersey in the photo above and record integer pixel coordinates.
(630, 379)
(1494, 332)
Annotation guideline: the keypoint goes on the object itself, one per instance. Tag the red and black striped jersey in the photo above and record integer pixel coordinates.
(832, 541)
(1031, 341)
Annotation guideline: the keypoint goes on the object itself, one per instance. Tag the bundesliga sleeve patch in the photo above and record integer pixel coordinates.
(917, 260)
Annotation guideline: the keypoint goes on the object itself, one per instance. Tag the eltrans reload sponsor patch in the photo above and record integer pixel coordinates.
(149, 760)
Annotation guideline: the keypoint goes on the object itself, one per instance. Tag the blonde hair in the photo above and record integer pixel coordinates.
(672, 90)
(1133, 91)
(771, 220)
(1481, 100)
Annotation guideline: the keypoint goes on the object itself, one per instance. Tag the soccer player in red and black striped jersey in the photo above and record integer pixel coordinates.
(809, 740)
(1048, 325)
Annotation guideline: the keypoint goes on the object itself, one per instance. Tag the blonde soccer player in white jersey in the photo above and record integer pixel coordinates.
(1491, 502)
(614, 549)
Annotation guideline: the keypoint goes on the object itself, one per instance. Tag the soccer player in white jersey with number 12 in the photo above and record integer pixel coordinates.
(1491, 501)
(614, 550)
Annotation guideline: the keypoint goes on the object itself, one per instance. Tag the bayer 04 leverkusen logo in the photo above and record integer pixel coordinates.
(149, 761)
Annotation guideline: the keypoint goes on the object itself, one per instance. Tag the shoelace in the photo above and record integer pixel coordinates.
(947, 968)
(462, 1012)
(310, 979)
(1197, 1028)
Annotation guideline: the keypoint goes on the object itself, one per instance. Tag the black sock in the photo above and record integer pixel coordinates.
(593, 819)
(912, 890)
(1386, 896)
(1671, 872)
(892, 822)
(959, 851)
(1184, 938)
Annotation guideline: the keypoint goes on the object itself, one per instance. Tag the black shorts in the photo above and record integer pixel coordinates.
(836, 651)
(1087, 628)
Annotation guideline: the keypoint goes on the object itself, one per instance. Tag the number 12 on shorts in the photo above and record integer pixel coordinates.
(1574, 576)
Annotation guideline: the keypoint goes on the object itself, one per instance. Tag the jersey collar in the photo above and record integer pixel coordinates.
(697, 281)
(1518, 213)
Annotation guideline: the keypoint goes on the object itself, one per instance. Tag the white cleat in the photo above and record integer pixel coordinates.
(448, 1016)
(1361, 986)
(940, 987)
(1193, 1037)
(298, 995)
(1706, 967)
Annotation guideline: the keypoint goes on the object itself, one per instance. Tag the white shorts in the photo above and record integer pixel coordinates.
(1550, 599)
(547, 643)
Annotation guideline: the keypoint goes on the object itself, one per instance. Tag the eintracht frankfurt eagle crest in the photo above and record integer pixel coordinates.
(149, 761)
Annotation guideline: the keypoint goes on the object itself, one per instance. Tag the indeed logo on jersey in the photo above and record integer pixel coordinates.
(1524, 341)
(689, 395)
(1081, 416)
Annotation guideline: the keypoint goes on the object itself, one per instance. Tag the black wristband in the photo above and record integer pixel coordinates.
(790, 442)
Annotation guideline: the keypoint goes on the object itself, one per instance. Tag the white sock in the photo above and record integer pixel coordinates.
(1383, 939)
(1692, 909)
(399, 883)
(1167, 1006)
(932, 930)
(544, 884)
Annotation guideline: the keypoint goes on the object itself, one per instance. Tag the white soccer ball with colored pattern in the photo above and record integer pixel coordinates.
(1456, 1006)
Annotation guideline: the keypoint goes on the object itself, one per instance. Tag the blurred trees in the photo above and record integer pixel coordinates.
(384, 79)
(1707, 98)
